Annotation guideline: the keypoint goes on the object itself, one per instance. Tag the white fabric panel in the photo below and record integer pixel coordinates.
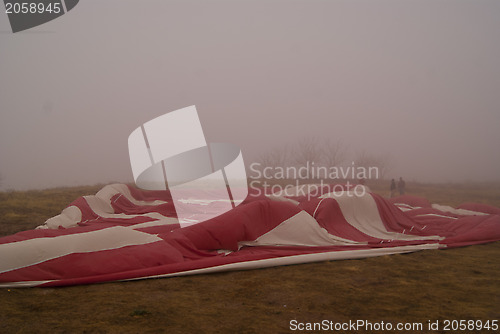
(299, 230)
(23, 284)
(435, 215)
(361, 212)
(406, 207)
(462, 212)
(69, 217)
(33, 251)
(166, 221)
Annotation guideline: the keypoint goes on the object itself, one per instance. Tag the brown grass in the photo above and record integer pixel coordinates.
(429, 285)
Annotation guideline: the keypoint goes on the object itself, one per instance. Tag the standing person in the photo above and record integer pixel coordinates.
(401, 186)
(393, 188)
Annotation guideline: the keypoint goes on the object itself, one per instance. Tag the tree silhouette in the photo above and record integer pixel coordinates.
(382, 162)
(334, 153)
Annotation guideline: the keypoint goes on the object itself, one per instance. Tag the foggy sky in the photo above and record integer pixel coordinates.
(418, 80)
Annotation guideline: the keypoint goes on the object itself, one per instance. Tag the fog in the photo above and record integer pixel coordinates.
(416, 80)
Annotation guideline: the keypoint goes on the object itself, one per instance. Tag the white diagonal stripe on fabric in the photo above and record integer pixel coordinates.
(434, 215)
(26, 253)
(166, 221)
(361, 212)
(461, 212)
(299, 230)
(23, 284)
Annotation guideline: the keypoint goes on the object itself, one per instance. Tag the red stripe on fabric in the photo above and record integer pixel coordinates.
(479, 207)
(98, 263)
(244, 223)
(244, 255)
(121, 204)
(414, 201)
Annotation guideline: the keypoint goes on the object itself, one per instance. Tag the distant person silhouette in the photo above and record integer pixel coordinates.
(401, 186)
(393, 188)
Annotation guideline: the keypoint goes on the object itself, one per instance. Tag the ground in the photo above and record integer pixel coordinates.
(436, 285)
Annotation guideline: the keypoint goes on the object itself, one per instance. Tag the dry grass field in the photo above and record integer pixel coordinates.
(436, 285)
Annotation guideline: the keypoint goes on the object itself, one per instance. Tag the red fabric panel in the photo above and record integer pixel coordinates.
(414, 201)
(479, 207)
(244, 223)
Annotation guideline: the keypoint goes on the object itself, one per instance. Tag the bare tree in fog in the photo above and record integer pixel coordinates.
(334, 153)
(312, 152)
(383, 162)
(307, 151)
(277, 157)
